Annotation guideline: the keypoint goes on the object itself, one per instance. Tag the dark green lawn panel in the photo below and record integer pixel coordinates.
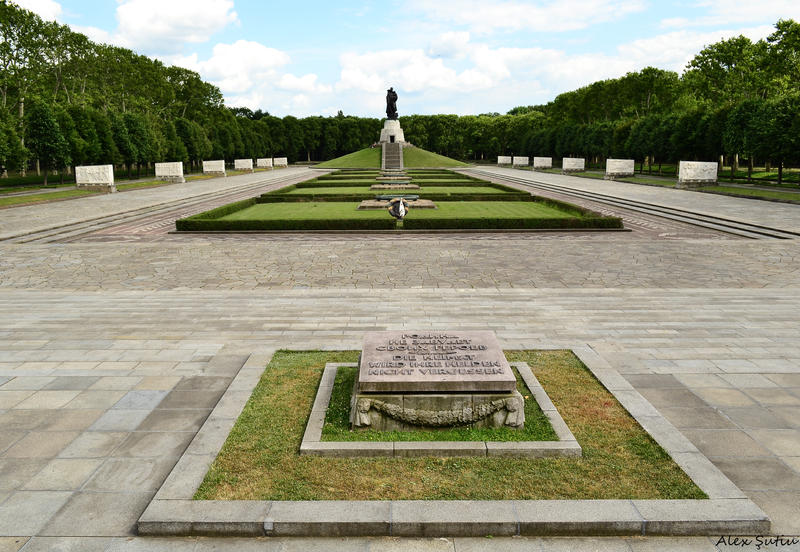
(489, 209)
(337, 421)
(306, 211)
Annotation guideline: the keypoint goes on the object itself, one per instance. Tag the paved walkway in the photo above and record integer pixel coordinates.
(111, 355)
(776, 215)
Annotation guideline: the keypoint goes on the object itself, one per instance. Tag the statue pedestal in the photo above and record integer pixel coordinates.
(391, 132)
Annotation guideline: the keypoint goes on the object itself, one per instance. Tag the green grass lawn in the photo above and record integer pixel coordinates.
(41, 198)
(337, 420)
(371, 158)
(764, 194)
(306, 211)
(490, 210)
(260, 461)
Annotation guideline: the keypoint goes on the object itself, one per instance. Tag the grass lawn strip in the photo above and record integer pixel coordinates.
(260, 461)
(14, 201)
(760, 194)
(337, 420)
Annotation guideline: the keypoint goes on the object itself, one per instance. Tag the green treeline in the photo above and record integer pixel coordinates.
(66, 101)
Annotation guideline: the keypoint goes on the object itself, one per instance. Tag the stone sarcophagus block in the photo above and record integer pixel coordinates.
(619, 167)
(245, 165)
(170, 172)
(504, 160)
(96, 177)
(264, 163)
(540, 163)
(214, 167)
(573, 164)
(434, 380)
(693, 174)
(280, 162)
(520, 161)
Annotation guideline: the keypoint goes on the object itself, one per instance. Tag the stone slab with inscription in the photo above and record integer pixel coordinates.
(434, 362)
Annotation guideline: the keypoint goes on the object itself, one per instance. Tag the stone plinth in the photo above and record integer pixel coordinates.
(433, 362)
(170, 172)
(619, 167)
(520, 161)
(264, 163)
(382, 203)
(214, 167)
(693, 174)
(391, 132)
(395, 186)
(96, 177)
(409, 411)
(280, 162)
(504, 159)
(245, 165)
(573, 164)
(540, 163)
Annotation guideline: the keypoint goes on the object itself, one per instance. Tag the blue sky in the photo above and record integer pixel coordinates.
(442, 56)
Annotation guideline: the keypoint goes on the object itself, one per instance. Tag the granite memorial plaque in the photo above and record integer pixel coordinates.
(433, 362)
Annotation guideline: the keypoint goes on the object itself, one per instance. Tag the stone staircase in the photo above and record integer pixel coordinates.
(392, 156)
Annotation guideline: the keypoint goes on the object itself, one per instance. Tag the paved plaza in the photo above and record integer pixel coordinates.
(117, 339)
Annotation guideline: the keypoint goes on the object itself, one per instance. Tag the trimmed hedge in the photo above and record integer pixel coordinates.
(291, 198)
(411, 223)
(192, 224)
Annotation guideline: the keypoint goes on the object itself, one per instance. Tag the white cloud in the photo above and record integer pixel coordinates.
(729, 12)
(512, 15)
(674, 50)
(159, 26)
(95, 34)
(450, 45)
(307, 83)
(46, 9)
(238, 67)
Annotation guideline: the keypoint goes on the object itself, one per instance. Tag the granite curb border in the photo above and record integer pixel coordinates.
(172, 512)
(312, 444)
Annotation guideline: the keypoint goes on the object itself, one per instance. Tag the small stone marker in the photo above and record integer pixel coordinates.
(619, 167)
(540, 163)
(214, 167)
(170, 172)
(400, 361)
(96, 177)
(280, 162)
(434, 379)
(503, 160)
(264, 163)
(520, 161)
(245, 165)
(573, 164)
(693, 174)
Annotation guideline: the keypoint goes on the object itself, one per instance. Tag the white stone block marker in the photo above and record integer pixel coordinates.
(171, 172)
(264, 163)
(503, 159)
(520, 161)
(540, 163)
(214, 167)
(243, 165)
(573, 164)
(96, 177)
(693, 174)
(619, 167)
(280, 162)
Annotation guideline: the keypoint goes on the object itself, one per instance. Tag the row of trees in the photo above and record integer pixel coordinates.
(65, 100)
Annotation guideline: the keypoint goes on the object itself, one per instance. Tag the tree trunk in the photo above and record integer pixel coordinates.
(39, 170)
(780, 172)
(61, 177)
(734, 165)
(130, 170)
(22, 133)
(45, 173)
(767, 166)
(750, 163)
